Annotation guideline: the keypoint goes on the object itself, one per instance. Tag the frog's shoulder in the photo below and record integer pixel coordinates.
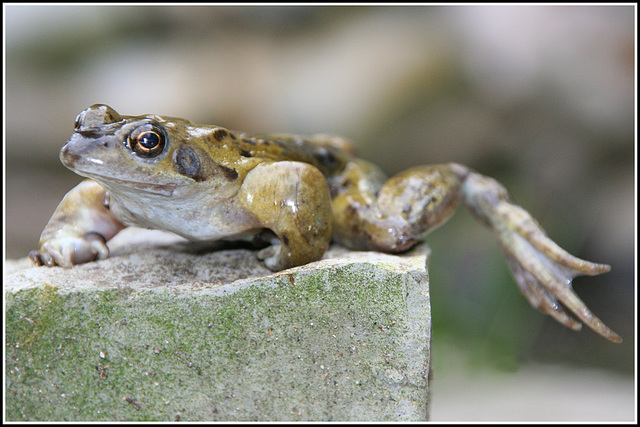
(328, 153)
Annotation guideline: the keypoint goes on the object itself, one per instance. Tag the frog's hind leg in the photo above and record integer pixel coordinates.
(371, 212)
(392, 216)
(543, 270)
(425, 196)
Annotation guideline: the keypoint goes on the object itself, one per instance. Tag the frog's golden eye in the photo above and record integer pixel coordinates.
(147, 140)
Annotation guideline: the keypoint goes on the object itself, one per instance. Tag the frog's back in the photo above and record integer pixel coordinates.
(328, 153)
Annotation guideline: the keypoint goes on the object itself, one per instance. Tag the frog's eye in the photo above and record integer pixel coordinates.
(147, 140)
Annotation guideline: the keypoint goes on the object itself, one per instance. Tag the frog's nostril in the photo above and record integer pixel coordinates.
(68, 158)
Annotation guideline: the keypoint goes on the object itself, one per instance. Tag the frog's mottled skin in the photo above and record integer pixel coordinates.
(208, 183)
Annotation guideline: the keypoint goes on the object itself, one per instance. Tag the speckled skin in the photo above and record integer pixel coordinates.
(208, 183)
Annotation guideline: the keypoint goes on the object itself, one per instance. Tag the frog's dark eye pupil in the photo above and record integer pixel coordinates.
(147, 140)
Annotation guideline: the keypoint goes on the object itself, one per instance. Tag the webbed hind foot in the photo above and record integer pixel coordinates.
(542, 269)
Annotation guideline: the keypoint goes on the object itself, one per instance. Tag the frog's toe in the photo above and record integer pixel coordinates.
(544, 272)
(270, 257)
(50, 254)
(91, 247)
(39, 259)
(539, 296)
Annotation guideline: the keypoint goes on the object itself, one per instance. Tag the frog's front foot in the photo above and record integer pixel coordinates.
(79, 229)
(543, 270)
(271, 257)
(68, 250)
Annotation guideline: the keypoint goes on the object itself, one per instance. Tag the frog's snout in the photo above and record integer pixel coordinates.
(69, 157)
(80, 150)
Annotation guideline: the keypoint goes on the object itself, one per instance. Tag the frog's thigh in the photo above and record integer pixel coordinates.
(425, 196)
(292, 200)
(405, 209)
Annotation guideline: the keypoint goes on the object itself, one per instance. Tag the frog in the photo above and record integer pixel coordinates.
(290, 196)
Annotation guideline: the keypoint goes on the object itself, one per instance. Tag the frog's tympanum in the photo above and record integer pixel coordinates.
(297, 193)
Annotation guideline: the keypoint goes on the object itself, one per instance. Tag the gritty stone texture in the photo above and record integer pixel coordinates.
(161, 331)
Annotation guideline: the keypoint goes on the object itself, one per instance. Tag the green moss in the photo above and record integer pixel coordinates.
(153, 354)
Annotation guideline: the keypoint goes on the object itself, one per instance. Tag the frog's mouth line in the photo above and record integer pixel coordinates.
(147, 187)
(87, 165)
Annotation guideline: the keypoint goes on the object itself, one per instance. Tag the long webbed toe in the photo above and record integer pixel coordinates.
(545, 280)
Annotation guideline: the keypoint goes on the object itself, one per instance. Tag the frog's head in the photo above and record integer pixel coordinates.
(148, 153)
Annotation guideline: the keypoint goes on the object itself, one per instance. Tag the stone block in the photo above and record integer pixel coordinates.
(161, 331)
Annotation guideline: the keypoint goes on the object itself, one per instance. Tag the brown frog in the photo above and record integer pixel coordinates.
(298, 193)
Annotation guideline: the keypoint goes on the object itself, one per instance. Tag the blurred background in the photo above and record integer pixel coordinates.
(539, 97)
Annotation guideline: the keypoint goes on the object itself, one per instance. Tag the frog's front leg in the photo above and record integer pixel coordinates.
(292, 200)
(79, 228)
(543, 270)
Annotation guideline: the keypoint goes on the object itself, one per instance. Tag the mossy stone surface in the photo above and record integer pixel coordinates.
(164, 333)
